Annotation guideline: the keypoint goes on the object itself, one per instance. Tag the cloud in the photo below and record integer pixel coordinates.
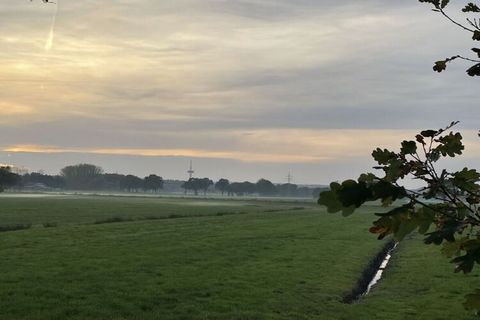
(260, 145)
(13, 109)
(231, 155)
(226, 79)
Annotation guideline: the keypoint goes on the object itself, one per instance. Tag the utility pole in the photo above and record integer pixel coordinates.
(289, 178)
(190, 171)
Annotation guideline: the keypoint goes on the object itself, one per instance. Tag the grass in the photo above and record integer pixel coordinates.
(50, 224)
(271, 262)
(15, 227)
(91, 209)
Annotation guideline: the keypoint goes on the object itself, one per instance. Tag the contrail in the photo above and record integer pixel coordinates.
(49, 43)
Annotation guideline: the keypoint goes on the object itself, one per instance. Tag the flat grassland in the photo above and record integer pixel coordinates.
(159, 258)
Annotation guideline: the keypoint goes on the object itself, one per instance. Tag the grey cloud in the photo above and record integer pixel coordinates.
(241, 65)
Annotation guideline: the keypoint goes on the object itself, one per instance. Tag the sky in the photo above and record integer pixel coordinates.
(243, 88)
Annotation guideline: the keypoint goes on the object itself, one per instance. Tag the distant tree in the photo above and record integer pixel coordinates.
(83, 177)
(197, 184)
(131, 183)
(113, 181)
(223, 185)
(243, 188)
(249, 187)
(236, 188)
(306, 192)
(153, 183)
(471, 26)
(266, 188)
(206, 183)
(185, 186)
(54, 182)
(8, 179)
(287, 189)
(191, 184)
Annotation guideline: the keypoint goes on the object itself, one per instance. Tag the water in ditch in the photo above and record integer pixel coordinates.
(381, 269)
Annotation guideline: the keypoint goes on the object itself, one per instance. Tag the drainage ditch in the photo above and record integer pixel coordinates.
(372, 273)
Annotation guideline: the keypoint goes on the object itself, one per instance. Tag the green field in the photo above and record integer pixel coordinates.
(209, 259)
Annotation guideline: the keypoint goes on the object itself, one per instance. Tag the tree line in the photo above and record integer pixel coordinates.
(265, 187)
(81, 177)
(92, 177)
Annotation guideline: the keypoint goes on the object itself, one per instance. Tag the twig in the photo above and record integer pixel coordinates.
(453, 21)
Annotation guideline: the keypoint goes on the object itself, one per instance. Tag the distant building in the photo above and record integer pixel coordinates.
(15, 169)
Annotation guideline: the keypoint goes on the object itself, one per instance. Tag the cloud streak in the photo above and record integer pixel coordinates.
(51, 34)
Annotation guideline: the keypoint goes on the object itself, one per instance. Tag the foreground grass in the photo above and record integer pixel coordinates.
(272, 262)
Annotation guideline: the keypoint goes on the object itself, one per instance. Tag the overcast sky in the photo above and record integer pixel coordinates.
(247, 89)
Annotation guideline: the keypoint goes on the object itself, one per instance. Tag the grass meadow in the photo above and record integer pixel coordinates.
(96, 257)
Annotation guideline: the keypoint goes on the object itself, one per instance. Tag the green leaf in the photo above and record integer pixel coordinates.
(394, 171)
(434, 155)
(450, 145)
(382, 227)
(464, 263)
(331, 200)
(444, 3)
(402, 221)
(436, 3)
(408, 147)
(477, 51)
(467, 179)
(476, 35)
(440, 65)
(354, 194)
(446, 232)
(383, 156)
(462, 211)
(420, 139)
(467, 175)
(471, 7)
(472, 246)
(395, 211)
(385, 191)
(429, 133)
(452, 249)
(474, 71)
(405, 227)
(426, 217)
(367, 178)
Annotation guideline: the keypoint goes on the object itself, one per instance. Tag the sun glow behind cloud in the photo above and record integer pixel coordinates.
(10, 109)
(275, 146)
(231, 155)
